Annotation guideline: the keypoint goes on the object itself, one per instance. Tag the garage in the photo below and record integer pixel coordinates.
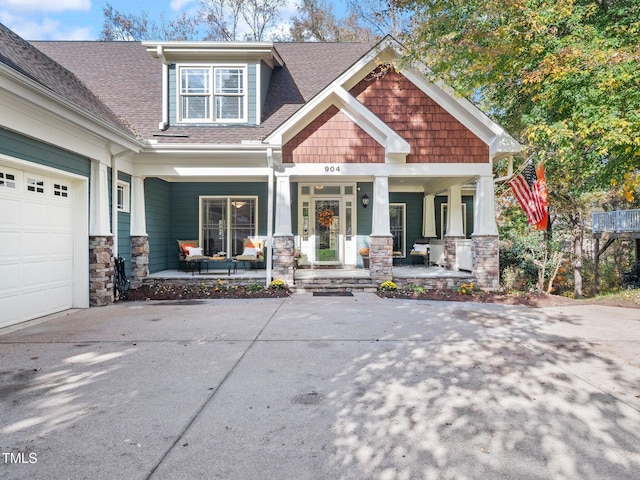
(39, 242)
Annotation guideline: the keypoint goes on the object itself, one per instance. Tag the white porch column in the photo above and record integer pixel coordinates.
(100, 238)
(454, 212)
(380, 221)
(138, 215)
(283, 247)
(429, 217)
(380, 240)
(484, 207)
(283, 206)
(99, 213)
(486, 243)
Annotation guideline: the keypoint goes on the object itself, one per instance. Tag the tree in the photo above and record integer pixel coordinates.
(232, 20)
(316, 22)
(381, 17)
(562, 76)
(120, 26)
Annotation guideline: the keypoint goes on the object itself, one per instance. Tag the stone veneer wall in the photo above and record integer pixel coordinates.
(450, 252)
(381, 258)
(486, 261)
(139, 260)
(100, 270)
(283, 258)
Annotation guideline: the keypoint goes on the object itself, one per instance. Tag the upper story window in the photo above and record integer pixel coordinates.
(213, 94)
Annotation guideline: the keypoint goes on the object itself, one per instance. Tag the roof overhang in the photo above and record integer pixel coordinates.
(34, 110)
(388, 50)
(175, 51)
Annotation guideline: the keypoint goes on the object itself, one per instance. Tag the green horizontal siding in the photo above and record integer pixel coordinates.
(157, 210)
(413, 213)
(24, 148)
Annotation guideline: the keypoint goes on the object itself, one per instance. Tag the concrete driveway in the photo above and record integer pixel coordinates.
(322, 388)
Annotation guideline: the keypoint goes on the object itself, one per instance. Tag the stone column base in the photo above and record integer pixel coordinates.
(283, 258)
(381, 258)
(486, 261)
(100, 270)
(450, 252)
(139, 260)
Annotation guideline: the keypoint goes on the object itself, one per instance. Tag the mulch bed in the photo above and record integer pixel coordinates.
(189, 292)
(529, 299)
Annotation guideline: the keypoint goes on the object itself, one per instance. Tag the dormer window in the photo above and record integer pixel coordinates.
(212, 94)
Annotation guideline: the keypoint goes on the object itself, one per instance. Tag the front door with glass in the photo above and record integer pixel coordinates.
(326, 222)
(328, 247)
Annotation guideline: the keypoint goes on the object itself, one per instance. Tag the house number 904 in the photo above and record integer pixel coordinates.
(328, 169)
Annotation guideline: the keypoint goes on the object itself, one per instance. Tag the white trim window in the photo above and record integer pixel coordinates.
(225, 222)
(212, 94)
(123, 196)
(398, 221)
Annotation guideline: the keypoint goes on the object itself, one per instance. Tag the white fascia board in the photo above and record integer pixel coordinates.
(433, 170)
(36, 97)
(372, 124)
(173, 51)
(208, 148)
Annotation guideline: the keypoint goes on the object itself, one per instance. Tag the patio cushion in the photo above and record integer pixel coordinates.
(194, 251)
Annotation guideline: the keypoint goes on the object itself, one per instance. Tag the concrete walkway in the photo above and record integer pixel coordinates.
(322, 388)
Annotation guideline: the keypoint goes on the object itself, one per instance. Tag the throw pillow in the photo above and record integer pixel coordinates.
(194, 251)
(186, 246)
(250, 252)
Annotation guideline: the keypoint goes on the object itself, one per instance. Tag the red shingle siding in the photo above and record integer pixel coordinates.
(435, 135)
(332, 138)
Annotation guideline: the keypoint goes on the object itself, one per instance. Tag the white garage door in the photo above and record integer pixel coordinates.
(36, 244)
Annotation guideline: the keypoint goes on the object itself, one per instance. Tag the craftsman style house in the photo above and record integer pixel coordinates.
(122, 148)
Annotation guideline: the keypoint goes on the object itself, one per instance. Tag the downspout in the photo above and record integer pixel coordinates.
(165, 90)
(269, 242)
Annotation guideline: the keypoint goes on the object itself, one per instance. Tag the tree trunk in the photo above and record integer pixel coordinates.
(577, 265)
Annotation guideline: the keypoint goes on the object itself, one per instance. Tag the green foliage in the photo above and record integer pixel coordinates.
(412, 287)
(388, 286)
(561, 76)
(277, 284)
(255, 287)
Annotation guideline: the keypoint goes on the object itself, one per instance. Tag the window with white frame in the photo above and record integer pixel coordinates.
(225, 222)
(123, 197)
(397, 219)
(444, 207)
(212, 94)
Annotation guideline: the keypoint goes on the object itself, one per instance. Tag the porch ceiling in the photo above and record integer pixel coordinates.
(428, 185)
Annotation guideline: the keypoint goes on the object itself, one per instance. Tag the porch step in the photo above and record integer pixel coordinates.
(342, 287)
(340, 281)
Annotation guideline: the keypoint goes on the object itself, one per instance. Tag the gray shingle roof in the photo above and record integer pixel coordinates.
(128, 80)
(22, 57)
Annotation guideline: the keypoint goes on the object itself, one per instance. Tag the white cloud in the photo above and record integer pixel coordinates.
(46, 29)
(47, 5)
(178, 5)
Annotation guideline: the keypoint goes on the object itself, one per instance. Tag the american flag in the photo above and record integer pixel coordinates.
(528, 189)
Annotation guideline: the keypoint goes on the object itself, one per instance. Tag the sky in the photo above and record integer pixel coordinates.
(83, 19)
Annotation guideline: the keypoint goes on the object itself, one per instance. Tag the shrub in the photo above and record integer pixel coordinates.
(277, 284)
(412, 287)
(255, 287)
(388, 286)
